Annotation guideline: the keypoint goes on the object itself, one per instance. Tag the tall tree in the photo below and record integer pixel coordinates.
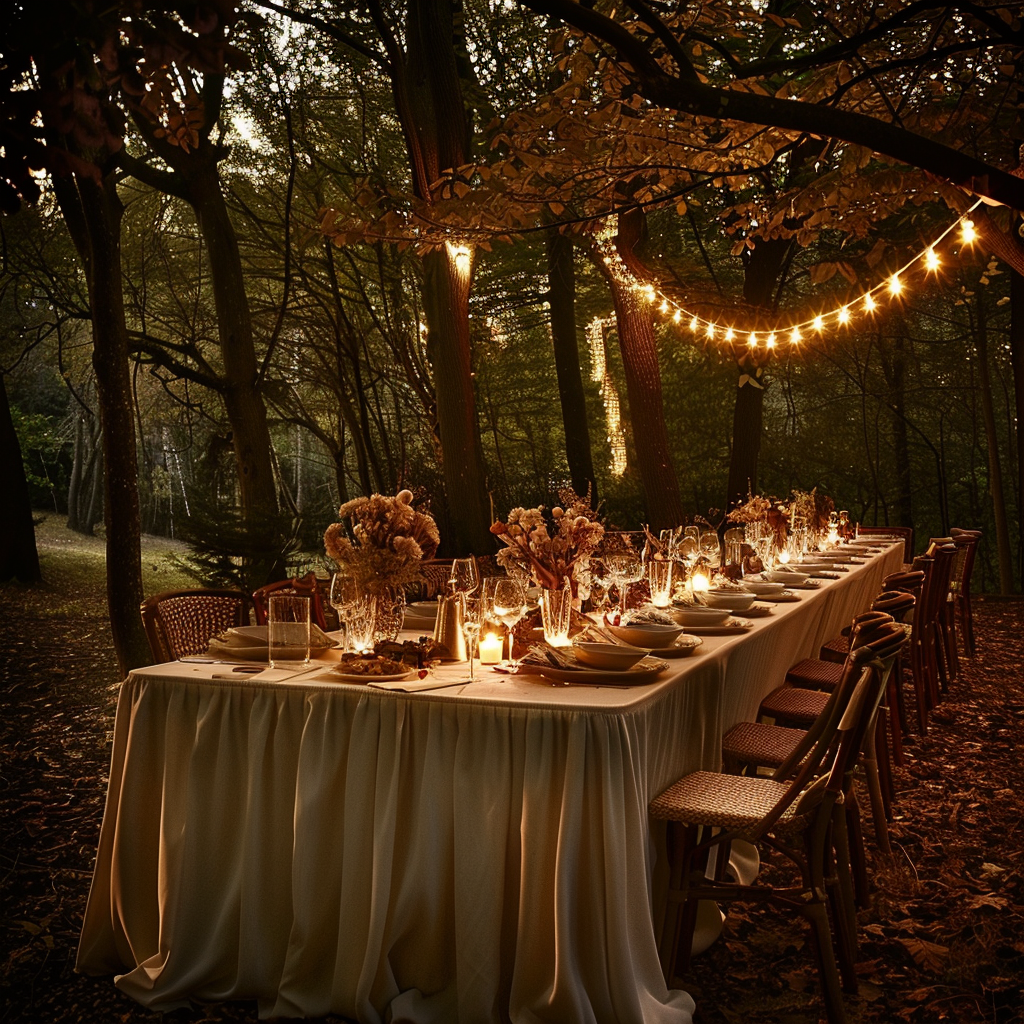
(420, 46)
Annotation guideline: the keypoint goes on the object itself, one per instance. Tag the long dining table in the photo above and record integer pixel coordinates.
(477, 853)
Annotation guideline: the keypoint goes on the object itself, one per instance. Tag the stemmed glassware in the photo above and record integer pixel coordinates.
(624, 567)
(509, 606)
(344, 596)
(472, 620)
(465, 577)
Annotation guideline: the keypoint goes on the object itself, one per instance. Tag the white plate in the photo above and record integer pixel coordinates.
(642, 672)
(761, 587)
(728, 628)
(238, 653)
(784, 596)
(807, 584)
(690, 616)
(731, 600)
(422, 609)
(683, 647)
(759, 611)
(365, 677)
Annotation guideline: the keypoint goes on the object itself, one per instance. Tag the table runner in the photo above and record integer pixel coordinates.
(476, 856)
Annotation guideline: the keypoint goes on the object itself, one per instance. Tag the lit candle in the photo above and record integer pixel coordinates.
(699, 582)
(783, 556)
(490, 649)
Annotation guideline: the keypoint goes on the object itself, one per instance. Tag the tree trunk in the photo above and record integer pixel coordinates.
(19, 559)
(562, 300)
(760, 276)
(995, 472)
(894, 368)
(643, 385)
(431, 108)
(1017, 362)
(102, 210)
(242, 399)
(747, 425)
(446, 304)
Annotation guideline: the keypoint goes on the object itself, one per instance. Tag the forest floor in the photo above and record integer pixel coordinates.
(942, 941)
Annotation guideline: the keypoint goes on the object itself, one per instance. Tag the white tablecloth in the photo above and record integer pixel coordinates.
(473, 854)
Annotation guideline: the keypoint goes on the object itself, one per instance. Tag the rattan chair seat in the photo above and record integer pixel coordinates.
(733, 802)
(815, 674)
(758, 744)
(793, 704)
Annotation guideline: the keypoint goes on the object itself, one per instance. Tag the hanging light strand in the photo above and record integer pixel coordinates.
(843, 315)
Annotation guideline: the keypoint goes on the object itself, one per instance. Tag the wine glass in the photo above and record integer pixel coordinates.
(464, 578)
(472, 620)
(624, 567)
(343, 597)
(509, 605)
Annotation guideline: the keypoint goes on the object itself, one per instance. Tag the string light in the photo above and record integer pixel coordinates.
(842, 315)
(609, 393)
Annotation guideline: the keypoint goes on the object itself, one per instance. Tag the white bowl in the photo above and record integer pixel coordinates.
(650, 635)
(699, 615)
(762, 587)
(608, 656)
(732, 600)
(791, 579)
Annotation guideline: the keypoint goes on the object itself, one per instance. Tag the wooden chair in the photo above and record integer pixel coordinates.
(179, 623)
(304, 586)
(966, 542)
(802, 818)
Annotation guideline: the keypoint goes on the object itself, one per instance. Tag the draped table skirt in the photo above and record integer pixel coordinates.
(475, 856)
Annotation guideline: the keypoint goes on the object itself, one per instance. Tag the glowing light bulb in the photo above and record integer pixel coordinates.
(677, 316)
(895, 285)
(869, 302)
(663, 308)
(693, 323)
(931, 259)
(710, 332)
(770, 341)
(794, 336)
(819, 323)
(729, 335)
(967, 232)
(844, 315)
(649, 290)
(752, 340)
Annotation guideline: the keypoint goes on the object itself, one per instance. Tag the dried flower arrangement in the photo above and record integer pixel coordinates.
(385, 543)
(551, 548)
(769, 512)
(815, 509)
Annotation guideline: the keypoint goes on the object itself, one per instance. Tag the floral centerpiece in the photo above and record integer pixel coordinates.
(767, 521)
(816, 511)
(554, 547)
(384, 543)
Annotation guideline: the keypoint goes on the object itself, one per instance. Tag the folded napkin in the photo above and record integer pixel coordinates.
(415, 685)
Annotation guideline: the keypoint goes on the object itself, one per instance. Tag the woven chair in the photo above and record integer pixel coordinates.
(906, 532)
(808, 699)
(179, 623)
(305, 586)
(803, 819)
